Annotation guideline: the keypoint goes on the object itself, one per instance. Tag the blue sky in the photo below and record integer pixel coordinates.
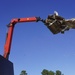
(34, 47)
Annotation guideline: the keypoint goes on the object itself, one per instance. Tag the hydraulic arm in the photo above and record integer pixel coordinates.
(54, 23)
(11, 25)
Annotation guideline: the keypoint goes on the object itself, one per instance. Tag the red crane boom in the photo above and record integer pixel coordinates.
(55, 24)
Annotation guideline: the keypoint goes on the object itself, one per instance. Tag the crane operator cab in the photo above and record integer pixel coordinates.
(57, 24)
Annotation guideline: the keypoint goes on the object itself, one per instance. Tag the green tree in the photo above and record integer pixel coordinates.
(51, 73)
(23, 72)
(58, 72)
(45, 72)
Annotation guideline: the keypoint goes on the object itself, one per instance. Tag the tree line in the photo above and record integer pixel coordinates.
(45, 72)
